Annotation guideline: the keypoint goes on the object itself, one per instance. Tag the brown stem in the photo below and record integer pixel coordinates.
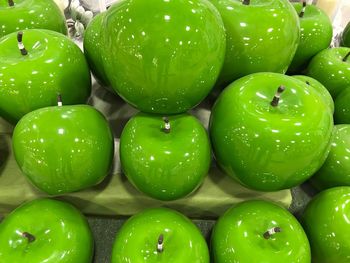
(21, 47)
(246, 2)
(167, 127)
(269, 233)
(59, 100)
(301, 14)
(29, 236)
(160, 243)
(277, 96)
(346, 57)
(11, 3)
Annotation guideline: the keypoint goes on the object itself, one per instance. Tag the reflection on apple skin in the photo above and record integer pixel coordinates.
(46, 230)
(63, 149)
(137, 239)
(326, 221)
(163, 56)
(270, 148)
(165, 165)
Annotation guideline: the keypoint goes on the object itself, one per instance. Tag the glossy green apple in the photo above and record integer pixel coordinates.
(45, 230)
(267, 147)
(53, 65)
(244, 234)
(167, 159)
(336, 169)
(326, 223)
(345, 38)
(159, 235)
(63, 149)
(318, 87)
(92, 49)
(331, 67)
(163, 56)
(316, 35)
(342, 107)
(26, 14)
(261, 36)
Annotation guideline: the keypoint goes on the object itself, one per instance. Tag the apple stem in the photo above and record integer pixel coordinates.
(246, 2)
(346, 57)
(160, 243)
(29, 236)
(269, 233)
(277, 96)
(303, 9)
(11, 3)
(20, 44)
(59, 100)
(166, 128)
(308, 83)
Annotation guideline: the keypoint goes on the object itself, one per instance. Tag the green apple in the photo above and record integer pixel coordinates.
(159, 235)
(45, 230)
(318, 87)
(345, 38)
(51, 64)
(336, 169)
(342, 107)
(163, 56)
(326, 223)
(165, 159)
(261, 36)
(259, 231)
(270, 131)
(316, 35)
(25, 14)
(62, 149)
(92, 49)
(331, 67)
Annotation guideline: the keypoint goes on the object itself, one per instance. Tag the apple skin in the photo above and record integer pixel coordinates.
(316, 35)
(27, 14)
(269, 47)
(165, 166)
(329, 68)
(238, 235)
(167, 59)
(54, 65)
(270, 148)
(62, 234)
(137, 240)
(342, 107)
(325, 221)
(336, 169)
(345, 39)
(63, 149)
(92, 49)
(318, 87)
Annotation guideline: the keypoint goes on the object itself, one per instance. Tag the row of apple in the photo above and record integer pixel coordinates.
(47, 230)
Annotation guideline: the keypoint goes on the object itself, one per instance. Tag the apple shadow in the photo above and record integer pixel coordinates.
(4, 152)
(113, 107)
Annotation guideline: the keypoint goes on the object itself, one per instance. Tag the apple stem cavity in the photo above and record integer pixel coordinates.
(20, 44)
(160, 243)
(166, 128)
(59, 100)
(269, 233)
(11, 3)
(346, 57)
(301, 14)
(246, 2)
(28, 236)
(277, 96)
